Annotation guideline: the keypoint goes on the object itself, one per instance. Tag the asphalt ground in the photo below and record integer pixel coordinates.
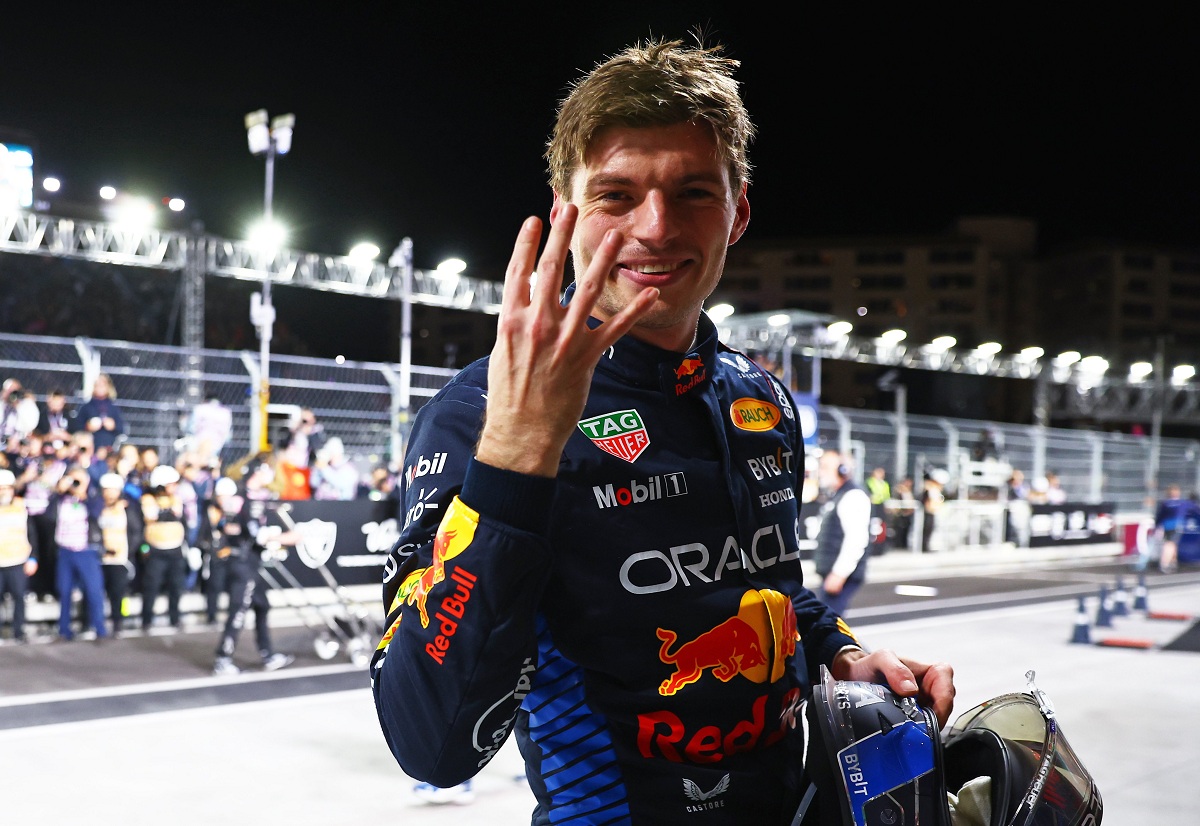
(136, 730)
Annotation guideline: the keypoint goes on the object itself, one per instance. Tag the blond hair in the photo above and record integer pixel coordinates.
(655, 83)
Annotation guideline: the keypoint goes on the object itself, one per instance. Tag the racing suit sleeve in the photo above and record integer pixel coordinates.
(461, 590)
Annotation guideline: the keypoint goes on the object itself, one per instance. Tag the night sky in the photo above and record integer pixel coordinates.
(430, 123)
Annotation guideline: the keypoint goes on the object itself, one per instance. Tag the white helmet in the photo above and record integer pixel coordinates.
(225, 487)
(7, 480)
(162, 476)
(111, 481)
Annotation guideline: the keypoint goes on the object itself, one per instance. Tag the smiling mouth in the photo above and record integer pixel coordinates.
(653, 273)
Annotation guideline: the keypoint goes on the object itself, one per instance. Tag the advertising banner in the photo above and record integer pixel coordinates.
(1071, 523)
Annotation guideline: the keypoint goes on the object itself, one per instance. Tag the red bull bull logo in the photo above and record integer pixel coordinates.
(688, 366)
(454, 535)
(755, 644)
(728, 649)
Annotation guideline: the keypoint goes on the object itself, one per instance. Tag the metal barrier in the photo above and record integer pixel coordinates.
(359, 402)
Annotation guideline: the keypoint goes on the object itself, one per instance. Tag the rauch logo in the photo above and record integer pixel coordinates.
(753, 414)
(621, 433)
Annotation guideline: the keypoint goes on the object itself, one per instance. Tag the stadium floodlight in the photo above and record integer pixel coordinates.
(892, 337)
(267, 137)
(989, 348)
(720, 312)
(779, 320)
(268, 236)
(839, 329)
(1139, 370)
(364, 251)
(133, 214)
(1094, 365)
(51, 184)
(1067, 358)
(1181, 373)
(941, 344)
(108, 192)
(175, 204)
(258, 133)
(451, 266)
(1032, 353)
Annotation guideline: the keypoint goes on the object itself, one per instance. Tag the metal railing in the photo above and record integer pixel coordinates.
(360, 402)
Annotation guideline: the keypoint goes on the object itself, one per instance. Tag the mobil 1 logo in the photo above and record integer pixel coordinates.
(635, 493)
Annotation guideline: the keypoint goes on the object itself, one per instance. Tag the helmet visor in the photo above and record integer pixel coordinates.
(1058, 789)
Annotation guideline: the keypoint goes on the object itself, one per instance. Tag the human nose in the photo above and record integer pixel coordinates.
(654, 220)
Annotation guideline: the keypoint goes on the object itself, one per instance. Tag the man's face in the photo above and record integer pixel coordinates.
(827, 473)
(55, 403)
(668, 192)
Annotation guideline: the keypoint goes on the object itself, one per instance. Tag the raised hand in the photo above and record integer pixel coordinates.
(541, 366)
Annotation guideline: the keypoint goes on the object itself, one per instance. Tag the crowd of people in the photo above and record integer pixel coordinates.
(89, 519)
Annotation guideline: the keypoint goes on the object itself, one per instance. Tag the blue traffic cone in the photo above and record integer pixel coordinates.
(1104, 610)
(1140, 594)
(1083, 630)
(1120, 599)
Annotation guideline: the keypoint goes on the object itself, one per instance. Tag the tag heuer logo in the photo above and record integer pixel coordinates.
(621, 433)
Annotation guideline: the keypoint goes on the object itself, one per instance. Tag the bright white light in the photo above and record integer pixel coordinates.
(176, 205)
(134, 214)
(839, 329)
(267, 235)
(1139, 370)
(1181, 373)
(862, 311)
(942, 343)
(989, 348)
(779, 319)
(1068, 358)
(893, 336)
(258, 134)
(51, 184)
(364, 251)
(108, 192)
(340, 360)
(452, 266)
(720, 312)
(1032, 353)
(1093, 364)
(281, 132)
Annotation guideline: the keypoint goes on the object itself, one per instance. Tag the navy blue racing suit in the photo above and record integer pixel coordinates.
(640, 620)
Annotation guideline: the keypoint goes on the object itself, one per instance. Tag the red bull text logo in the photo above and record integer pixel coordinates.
(753, 414)
(663, 734)
(453, 536)
(621, 434)
(689, 373)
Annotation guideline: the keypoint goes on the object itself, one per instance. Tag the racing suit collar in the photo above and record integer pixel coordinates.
(644, 365)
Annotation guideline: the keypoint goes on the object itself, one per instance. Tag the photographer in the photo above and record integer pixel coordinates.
(77, 537)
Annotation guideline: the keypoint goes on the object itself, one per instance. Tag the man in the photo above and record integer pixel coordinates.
(881, 495)
(101, 416)
(1170, 516)
(242, 528)
(607, 562)
(841, 554)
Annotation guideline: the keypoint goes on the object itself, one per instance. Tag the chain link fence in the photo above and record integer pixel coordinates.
(358, 402)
